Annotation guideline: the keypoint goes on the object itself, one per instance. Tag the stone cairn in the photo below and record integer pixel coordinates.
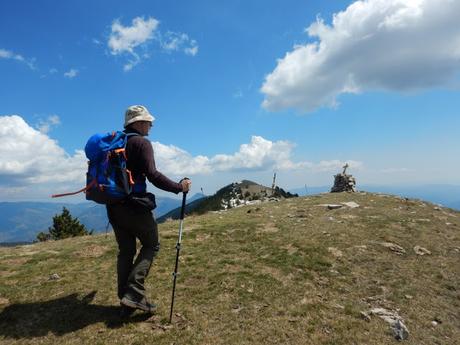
(344, 182)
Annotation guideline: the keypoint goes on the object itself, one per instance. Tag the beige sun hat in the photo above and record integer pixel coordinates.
(137, 113)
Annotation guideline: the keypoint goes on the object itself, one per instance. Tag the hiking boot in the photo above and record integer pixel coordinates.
(143, 304)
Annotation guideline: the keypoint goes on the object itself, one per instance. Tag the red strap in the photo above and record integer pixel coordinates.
(92, 183)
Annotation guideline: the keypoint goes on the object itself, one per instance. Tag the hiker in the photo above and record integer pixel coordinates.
(132, 218)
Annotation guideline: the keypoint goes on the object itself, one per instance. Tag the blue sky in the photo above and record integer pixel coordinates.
(239, 89)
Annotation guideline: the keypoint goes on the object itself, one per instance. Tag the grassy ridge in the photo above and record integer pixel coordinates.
(289, 272)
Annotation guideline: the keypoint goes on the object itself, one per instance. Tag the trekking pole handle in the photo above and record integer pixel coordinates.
(182, 210)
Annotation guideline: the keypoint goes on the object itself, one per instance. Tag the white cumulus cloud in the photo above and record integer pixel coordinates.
(394, 45)
(29, 157)
(258, 155)
(133, 41)
(173, 160)
(72, 73)
(176, 41)
(125, 38)
(7, 54)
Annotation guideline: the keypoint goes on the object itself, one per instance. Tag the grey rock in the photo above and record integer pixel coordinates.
(400, 330)
(54, 276)
(394, 247)
(351, 204)
(397, 325)
(421, 251)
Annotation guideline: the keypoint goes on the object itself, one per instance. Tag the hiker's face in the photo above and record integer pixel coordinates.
(143, 127)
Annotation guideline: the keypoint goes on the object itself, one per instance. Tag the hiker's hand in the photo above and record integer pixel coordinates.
(186, 184)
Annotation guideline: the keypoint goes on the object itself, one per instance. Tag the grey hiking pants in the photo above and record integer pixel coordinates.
(130, 224)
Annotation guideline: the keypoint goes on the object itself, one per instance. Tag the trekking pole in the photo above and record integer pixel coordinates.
(182, 214)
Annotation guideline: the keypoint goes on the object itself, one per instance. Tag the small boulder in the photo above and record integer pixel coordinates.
(394, 247)
(54, 276)
(421, 251)
(351, 204)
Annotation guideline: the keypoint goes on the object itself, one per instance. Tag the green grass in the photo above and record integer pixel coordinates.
(289, 272)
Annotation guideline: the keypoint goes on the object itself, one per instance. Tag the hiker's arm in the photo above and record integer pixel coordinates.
(154, 176)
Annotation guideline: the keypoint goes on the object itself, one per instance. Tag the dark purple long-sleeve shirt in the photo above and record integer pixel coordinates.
(141, 163)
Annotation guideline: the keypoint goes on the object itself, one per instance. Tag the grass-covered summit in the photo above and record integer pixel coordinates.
(287, 272)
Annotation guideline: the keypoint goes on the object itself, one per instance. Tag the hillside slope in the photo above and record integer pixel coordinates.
(287, 272)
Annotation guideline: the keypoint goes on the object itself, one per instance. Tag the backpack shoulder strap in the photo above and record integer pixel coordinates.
(130, 135)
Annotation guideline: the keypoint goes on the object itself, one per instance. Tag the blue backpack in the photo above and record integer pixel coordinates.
(107, 179)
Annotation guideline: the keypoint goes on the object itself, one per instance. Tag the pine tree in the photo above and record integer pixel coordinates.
(64, 226)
